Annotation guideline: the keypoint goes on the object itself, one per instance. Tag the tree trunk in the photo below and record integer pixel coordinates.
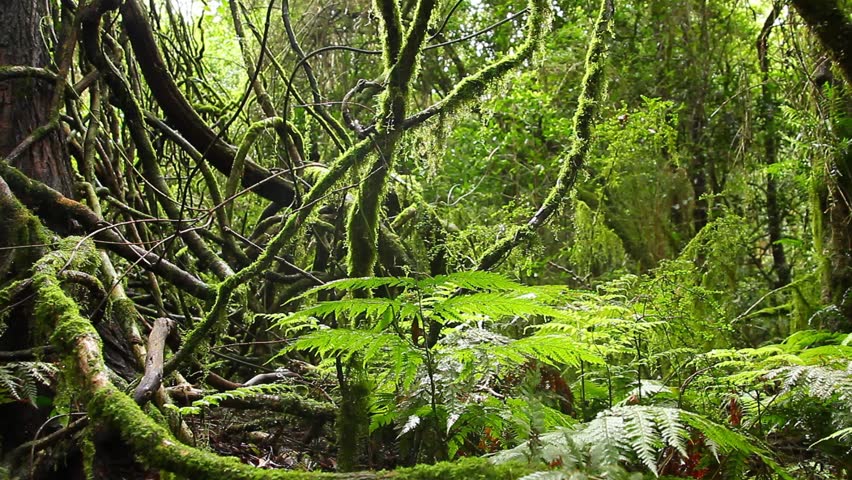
(833, 28)
(25, 107)
(768, 105)
(25, 103)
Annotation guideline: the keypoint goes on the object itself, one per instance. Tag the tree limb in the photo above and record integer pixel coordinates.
(153, 377)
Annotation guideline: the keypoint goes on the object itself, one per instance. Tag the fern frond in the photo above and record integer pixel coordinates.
(351, 308)
(644, 431)
(291, 325)
(646, 389)
(474, 280)
(213, 400)
(842, 434)
(19, 380)
(644, 437)
(361, 283)
(348, 342)
(494, 305)
(551, 349)
(817, 381)
(672, 429)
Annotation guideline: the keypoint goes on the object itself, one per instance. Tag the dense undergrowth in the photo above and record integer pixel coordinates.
(426, 240)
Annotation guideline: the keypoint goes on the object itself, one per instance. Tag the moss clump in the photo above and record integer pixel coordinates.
(353, 422)
(18, 228)
(57, 314)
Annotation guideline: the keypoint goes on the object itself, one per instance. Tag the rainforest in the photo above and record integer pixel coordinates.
(426, 239)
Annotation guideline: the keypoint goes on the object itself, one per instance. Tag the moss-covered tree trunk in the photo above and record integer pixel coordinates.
(832, 25)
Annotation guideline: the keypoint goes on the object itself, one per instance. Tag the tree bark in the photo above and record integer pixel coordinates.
(26, 103)
(768, 105)
(833, 28)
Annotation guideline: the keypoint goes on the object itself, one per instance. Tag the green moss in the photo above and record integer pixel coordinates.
(352, 423)
(466, 469)
(391, 30)
(19, 227)
(159, 449)
(87, 447)
(57, 315)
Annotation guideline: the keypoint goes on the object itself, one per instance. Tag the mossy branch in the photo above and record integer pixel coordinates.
(584, 119)
(238, 166)
(833, 28)
(470, 88)
(391, 28)
(362, 229)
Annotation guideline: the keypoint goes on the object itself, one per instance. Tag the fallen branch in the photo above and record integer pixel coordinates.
(153, 377)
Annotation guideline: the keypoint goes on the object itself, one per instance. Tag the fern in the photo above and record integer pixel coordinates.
(550, 349)
(643, 432)
(474, 280)
(213, 400)
(344, 310)
(345, 343)
(817, 381)
(494, 305)
(478, 281)
(842, 434)
(19, 380)
(420, 386)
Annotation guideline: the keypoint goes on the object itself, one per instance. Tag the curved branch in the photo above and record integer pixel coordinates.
(186, 119)
(584, 119)
(338, 133)
(153, 378)
(477, 33)
(471, 87)
(391, 28)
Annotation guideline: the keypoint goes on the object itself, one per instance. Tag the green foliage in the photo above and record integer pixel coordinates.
(596, 248)
(667, 343)
(19, 381)
(214, 399)
(421, 385)
(637, 432)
